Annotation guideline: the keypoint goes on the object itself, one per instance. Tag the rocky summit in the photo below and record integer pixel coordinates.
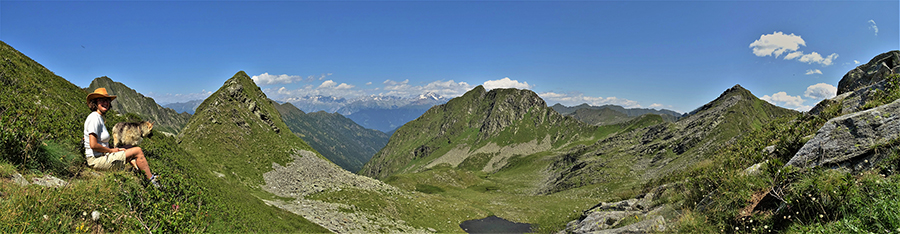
(483, 127)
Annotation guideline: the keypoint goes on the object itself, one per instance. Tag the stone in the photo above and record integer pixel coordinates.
(872, 72)
(50, 181)
(848, 141)
(19, 179)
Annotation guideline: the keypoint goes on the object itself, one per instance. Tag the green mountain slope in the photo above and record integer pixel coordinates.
(659, 150)
(336, 137)
(485, 128)
(37, 106)
(235, 136)
(605, 116)
(130, 101)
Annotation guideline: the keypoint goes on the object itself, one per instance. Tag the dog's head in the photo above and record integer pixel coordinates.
(146, 128)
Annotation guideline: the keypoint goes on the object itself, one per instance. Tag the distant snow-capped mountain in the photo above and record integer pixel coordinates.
(384, 113)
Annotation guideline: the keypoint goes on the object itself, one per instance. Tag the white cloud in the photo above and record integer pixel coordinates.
(575, 98)
(328, 84)
(793, 55)
(448, 88)
(369, 83)
(820, 91)
(783, 99)
(855, 62)
(506, 83)
(873, 26)
(344, 86)
(813, 71)
(778, 43)
(266, 79)
(816, 58)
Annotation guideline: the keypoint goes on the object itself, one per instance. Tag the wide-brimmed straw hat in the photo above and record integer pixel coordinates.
(99, 93)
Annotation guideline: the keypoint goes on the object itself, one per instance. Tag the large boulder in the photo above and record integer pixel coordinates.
(849, 141)
(870, 73)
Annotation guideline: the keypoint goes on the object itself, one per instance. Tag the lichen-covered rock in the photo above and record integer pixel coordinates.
(870, 73)
(49, 181)
(848, 141)
(608, 217)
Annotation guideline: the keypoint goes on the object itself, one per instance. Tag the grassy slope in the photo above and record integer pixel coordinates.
(40, 135)
(510, 192)
(818, 200)
(241, 147)
(501, 116)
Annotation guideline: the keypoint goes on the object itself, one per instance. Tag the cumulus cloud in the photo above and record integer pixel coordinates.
(266, 79)
(778, 43)
(873, 26)
(816, 58)
(369, 83)
(820, 91)
(855, 62)
(813, 71)
(330, 84)
(448, 88)
(506, 83)
(575, 98)
(783, 99)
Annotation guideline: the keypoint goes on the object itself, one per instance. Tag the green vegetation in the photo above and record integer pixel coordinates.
(718, 197)
(336, 137)
(890, 93)
(41, 121)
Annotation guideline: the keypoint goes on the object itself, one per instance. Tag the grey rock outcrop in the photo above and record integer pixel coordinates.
(608, 217)
(20, 180)
(870, 73)
(849, 141)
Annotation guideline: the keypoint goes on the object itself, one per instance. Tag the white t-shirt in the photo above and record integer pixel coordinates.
(94, 124)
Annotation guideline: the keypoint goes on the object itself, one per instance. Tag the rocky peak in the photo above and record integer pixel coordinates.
(727, 98)
(870, 73)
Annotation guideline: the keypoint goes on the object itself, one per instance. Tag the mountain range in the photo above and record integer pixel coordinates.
(735, 164)
(611, 114)
(338, 138)
(180, 107)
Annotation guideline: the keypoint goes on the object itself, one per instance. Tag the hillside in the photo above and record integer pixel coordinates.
(481, 127)
(235, 137)
(40, 139)
(37, 107)
(130, 101)
(633, 112)
(338, 138)
(648, 153)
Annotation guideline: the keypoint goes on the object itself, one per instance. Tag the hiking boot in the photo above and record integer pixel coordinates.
(155, 182)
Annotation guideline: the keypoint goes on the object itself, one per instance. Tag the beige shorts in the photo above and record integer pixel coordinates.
(108, 161)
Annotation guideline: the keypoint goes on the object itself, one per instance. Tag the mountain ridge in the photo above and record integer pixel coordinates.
(496, 119)
(130, 101)
(338, 138)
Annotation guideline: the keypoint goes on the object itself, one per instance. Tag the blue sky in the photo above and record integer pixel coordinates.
(653, 54)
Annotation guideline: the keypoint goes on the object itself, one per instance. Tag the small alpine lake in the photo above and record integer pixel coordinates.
(494, 224)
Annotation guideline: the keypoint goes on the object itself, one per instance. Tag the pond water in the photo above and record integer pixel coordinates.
(494, 224)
